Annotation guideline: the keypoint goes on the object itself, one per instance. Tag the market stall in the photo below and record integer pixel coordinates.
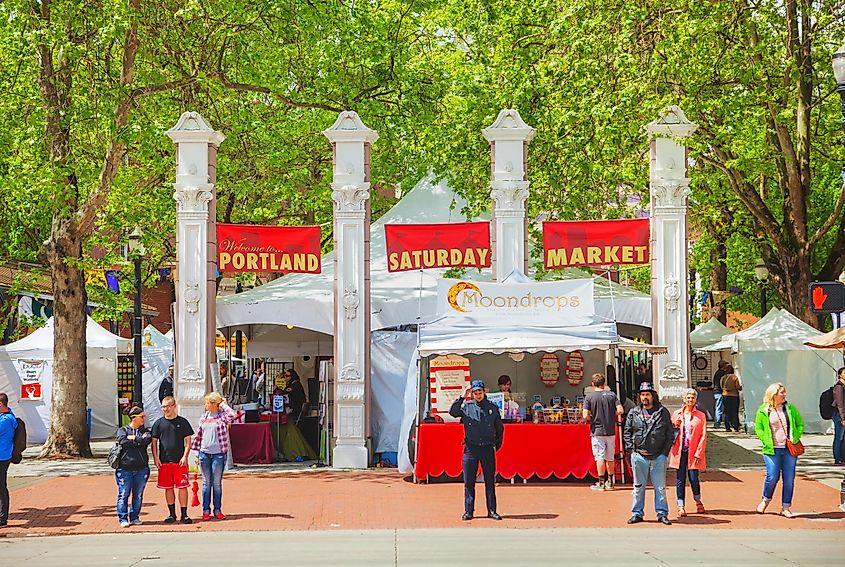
(549, 365)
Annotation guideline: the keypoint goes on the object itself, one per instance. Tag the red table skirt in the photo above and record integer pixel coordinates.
(252, 443)
(528, 449)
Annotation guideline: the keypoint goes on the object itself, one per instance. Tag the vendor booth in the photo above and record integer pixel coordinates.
(549, 366)
(773, 350)
(26, 375)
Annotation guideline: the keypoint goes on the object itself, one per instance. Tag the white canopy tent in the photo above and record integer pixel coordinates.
(772, 350)
(156, 358)
(708, 333)
(102, 349)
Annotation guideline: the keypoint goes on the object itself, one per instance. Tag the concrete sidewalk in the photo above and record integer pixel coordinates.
(662, 546)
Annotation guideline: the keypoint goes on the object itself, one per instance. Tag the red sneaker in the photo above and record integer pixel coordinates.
(206, 516)
(220, 516)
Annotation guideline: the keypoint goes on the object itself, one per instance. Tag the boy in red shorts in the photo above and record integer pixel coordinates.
(171, 446)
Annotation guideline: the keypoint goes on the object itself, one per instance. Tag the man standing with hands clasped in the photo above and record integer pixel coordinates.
(483, 435)
(649, 437)
(171, 447)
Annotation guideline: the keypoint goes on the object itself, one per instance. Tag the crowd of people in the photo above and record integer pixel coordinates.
(654, 440)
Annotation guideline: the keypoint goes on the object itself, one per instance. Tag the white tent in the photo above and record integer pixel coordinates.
(156, 357)
(397, 298)
(708, 333)
(102, 349)
(772, 350)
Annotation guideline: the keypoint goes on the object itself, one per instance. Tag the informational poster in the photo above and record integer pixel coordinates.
(575, 368)
(279, 403)
(448, 378)
(498, 400)
(30, 374)
(550, 369)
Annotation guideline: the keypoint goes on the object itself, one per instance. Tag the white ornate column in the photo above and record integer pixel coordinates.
(509, 137)
(194, 194)
(351, 141)
(669, 186)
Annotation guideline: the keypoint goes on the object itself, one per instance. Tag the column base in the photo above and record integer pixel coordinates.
(350, 456)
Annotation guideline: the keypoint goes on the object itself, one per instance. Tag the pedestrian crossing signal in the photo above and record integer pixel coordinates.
(827, 297)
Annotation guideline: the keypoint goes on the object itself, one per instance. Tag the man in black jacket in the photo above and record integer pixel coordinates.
(649, 436)
(483, 434)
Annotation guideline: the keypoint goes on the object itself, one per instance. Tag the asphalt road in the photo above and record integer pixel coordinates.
(650, 546)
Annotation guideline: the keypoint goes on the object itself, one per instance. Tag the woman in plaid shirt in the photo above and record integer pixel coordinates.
(212, 442)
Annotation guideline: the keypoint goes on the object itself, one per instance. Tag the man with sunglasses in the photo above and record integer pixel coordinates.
(171, 447)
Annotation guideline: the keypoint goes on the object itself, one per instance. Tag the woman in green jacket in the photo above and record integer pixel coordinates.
(777, 421)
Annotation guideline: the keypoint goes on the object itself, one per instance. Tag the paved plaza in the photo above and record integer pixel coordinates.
(380, 517)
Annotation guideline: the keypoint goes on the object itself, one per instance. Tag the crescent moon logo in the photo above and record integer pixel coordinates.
(456, 289)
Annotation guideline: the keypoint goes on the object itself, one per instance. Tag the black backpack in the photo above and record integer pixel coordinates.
(826, 403)
(19, 442)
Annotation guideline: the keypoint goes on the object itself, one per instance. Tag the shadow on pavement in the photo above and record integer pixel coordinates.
(530, 516)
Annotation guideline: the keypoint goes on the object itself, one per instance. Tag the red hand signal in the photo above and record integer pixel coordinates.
(819, 297)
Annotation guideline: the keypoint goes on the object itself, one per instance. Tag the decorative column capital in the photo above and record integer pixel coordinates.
(670, 193)
(509, 194)
(349, 198)
(193, 198)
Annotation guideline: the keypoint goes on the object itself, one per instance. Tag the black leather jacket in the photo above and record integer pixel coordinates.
(482, 422)
(649, 438)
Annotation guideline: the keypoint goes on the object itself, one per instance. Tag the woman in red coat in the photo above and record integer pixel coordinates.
(687, 454)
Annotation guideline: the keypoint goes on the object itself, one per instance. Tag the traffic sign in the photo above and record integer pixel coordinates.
(827, 297)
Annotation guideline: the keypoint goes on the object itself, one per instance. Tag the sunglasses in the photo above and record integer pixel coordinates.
(167, 406)
(142, 416)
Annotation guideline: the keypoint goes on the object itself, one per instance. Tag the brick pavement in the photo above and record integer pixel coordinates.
(343, 500)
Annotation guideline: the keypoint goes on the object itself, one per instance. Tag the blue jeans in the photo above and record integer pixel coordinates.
(130, 484)
(838, 439)
(656, 469)
(720, 410)
(782, 463)
(212, 465)
(681, 481)
(473, 455)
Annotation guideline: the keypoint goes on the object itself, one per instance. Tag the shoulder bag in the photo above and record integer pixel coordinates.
(115, 453)
(795, 449)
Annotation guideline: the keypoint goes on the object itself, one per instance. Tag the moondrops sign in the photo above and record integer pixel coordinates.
(537, 303)
(440, 245)
(595, 243)
(250, 248)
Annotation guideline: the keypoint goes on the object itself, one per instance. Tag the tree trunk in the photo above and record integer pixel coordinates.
(719, 276)
(68, 434)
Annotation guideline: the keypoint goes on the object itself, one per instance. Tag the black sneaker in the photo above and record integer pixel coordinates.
(186, 520)
(664, 520)
(170, 520)
(635, 519)
(466, 516)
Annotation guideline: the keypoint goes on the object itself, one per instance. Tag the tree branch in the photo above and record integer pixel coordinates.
(834, 216)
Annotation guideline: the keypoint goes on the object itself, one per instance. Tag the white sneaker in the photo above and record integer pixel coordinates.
(597, 486)
(125, 524)
(609, 485)
(137, 522)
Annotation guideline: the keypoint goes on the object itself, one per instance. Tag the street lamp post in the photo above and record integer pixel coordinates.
(762, 274)
(839, 74)
(136, 251)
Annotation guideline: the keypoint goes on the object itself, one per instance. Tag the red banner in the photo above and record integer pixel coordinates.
(251, 248)
(595, 243)
(442, 245)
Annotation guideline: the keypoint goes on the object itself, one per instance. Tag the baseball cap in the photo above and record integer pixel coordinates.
(477, 385)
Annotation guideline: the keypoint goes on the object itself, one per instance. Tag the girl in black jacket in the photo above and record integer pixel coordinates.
(134, 469)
